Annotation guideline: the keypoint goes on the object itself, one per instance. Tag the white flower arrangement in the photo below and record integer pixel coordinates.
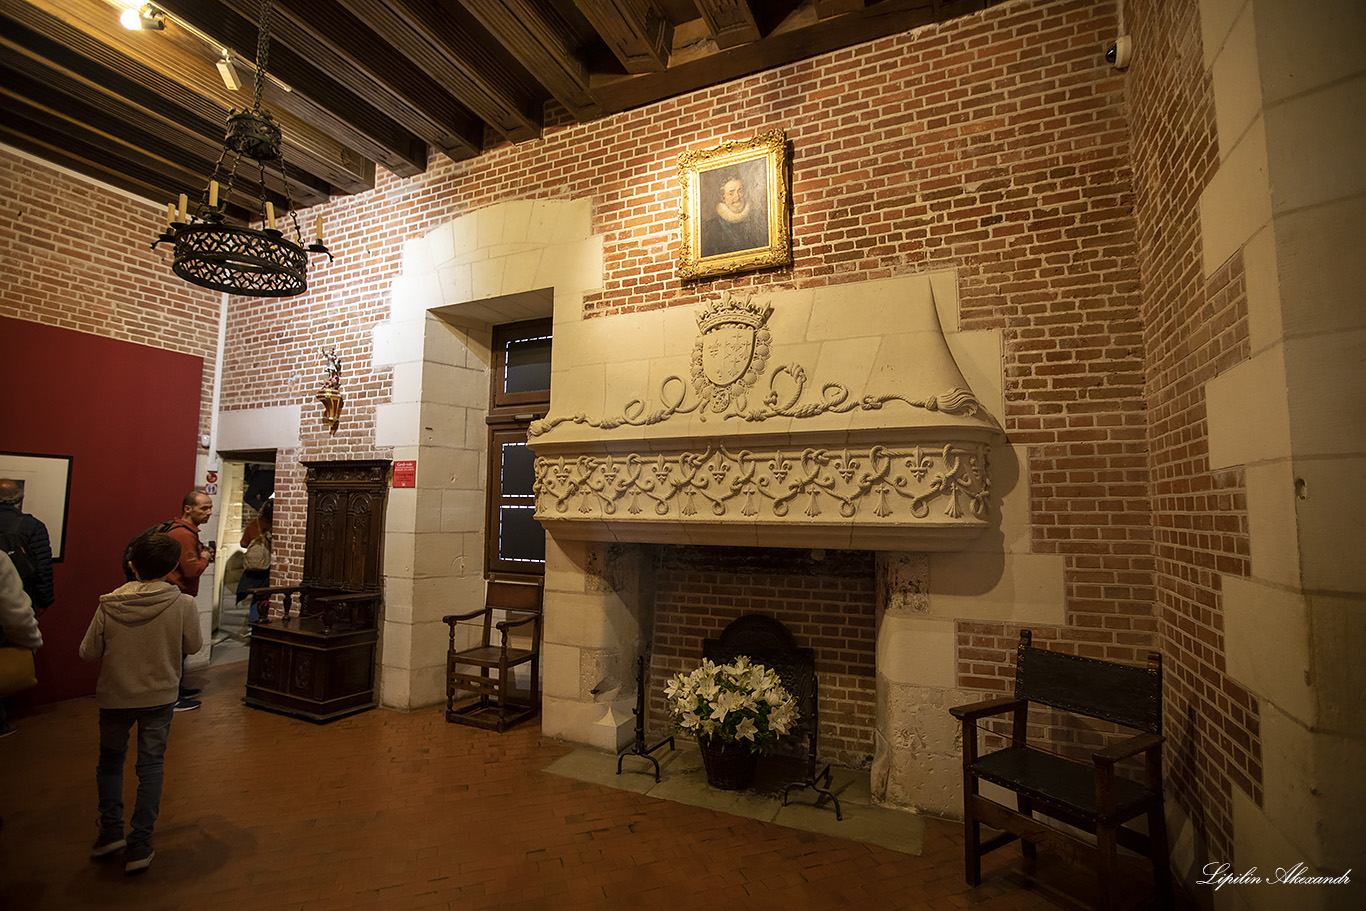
(735, 702)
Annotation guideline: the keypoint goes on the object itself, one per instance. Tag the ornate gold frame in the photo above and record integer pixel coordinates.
(701, 173)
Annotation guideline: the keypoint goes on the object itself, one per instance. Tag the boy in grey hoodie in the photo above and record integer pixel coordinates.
(141, 630)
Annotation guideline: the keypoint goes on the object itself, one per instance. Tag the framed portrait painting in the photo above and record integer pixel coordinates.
(735, 215)
(46, 483)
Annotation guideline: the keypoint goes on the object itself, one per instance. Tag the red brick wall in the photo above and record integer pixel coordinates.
(828, 605)
(1195, 328)
(76, 256)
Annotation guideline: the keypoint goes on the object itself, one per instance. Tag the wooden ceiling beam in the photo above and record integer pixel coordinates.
(793, 41)
(299, 88)
(543, 42)
(170, 66)
(345, 50)
(825, 9)
(731, 22)
(97, 159)
(456, 51)
(166, 148)
(165, 177)
(637, 32)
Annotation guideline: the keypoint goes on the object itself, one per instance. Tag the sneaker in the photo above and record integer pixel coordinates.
(186, 704)
(6, 729)
(189, 692)
(107, 844)
(138, 858)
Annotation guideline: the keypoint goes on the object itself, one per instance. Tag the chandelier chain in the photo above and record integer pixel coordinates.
(262, 52)
(256, 262)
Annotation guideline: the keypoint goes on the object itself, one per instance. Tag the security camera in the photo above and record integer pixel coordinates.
(1119, 53)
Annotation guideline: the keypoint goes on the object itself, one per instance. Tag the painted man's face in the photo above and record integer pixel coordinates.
(733, 195)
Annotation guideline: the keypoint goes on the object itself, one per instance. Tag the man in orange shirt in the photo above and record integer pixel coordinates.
(195, 557)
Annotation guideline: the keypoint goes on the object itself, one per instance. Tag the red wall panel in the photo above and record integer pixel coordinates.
(128, 415)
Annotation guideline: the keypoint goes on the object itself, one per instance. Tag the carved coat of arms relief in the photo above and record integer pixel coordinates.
(731, 351)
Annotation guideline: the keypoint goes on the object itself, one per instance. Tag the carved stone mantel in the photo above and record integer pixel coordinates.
(931, 495)
(793, 421)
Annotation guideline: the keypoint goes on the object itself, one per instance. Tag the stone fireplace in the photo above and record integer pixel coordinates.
(796, 454)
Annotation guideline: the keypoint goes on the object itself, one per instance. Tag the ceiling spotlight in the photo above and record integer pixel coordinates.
(228, 71)
(147, 17)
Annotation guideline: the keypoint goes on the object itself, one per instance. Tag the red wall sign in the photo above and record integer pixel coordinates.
(405, 474)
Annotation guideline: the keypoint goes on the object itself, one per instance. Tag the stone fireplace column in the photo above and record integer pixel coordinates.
(597, 620)
(916, 761)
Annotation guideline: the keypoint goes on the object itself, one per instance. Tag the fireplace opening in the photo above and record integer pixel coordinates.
(826, 599)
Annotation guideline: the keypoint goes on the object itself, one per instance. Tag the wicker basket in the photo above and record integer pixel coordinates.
(730, 766)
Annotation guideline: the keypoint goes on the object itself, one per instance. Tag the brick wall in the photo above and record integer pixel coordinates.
(829, 606)
(1195, 328)
(76, 256)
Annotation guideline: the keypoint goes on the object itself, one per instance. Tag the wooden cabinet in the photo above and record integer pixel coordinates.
(319, 664)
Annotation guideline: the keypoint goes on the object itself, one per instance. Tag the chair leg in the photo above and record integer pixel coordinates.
(1107, 866)
(972, 835)
(503, 674)
(1157, 853)
(1027, 847)
(536, 682)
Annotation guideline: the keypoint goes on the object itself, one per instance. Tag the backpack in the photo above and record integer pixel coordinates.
(159, 528)
(13, 544)
(257, 555)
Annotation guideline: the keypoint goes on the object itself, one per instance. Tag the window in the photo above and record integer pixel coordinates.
(521, 369)
(520, 393)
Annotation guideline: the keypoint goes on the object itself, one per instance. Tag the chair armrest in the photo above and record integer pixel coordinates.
(989, 707)
(504, 625)
(460, 618)
(1130, 746)
(352, 596)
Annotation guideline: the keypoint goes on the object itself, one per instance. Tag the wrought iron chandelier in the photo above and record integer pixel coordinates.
(254, 262)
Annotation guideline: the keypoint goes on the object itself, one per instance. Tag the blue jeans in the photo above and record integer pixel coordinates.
(154, 724)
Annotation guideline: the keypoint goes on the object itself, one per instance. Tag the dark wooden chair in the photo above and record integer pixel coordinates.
(766, 641)
(1090, 796)
(481, 685)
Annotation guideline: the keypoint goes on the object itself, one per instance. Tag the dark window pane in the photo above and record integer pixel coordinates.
(519, 472)
(528, 365)
(520, 536)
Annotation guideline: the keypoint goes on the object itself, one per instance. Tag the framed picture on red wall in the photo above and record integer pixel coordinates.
(734, 214)
(46, 482)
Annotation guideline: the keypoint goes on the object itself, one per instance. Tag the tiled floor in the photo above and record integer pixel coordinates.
(403, 811)
(230, 639)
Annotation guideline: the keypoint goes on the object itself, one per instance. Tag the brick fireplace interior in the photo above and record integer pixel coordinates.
(826, 599)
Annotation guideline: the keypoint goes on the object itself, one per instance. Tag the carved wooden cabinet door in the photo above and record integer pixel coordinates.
(344, 546)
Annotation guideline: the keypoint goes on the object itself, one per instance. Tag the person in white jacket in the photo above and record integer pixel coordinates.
(17, 626)
(16, 610)
(17, 623)
(141, 631)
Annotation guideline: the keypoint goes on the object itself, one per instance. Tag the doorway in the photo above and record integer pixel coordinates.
(248, 484)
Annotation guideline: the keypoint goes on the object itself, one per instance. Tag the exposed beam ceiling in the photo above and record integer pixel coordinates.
(356, 84)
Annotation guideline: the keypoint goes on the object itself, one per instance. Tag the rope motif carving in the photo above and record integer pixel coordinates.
(779, 403)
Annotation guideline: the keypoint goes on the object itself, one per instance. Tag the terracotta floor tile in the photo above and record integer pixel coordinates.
(403, 811)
